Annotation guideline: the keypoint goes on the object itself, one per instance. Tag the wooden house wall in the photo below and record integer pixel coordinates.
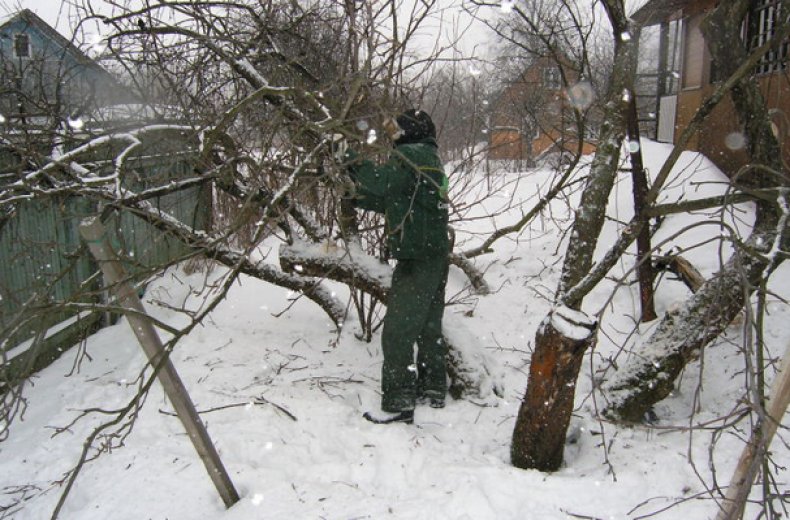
(511, 138)
(52, 76)
(718, 137)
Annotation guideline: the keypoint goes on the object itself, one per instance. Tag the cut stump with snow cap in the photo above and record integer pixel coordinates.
(545, 412)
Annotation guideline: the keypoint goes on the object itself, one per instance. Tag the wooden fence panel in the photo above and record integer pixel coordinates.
(42, 259)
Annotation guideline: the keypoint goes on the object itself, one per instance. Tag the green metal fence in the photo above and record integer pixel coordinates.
(46, 275)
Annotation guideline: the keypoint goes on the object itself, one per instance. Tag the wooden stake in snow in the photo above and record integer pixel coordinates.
(753, 452)
(94, 233)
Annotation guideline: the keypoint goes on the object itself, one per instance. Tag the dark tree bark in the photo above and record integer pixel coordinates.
(643, 247)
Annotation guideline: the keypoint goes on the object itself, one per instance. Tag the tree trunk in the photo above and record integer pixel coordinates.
(544, 415)
(644, 267)
(649, 375)
(539, 435)
(592, 207)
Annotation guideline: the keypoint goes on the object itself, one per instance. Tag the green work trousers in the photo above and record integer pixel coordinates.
(415, 305)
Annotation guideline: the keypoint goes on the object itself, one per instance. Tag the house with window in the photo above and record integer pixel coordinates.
(532, 116)
(43, 75)
(681, 75)
(53, 97)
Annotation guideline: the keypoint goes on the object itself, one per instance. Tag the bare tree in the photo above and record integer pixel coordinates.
(567, 333)
(646, 380)
(253, 95)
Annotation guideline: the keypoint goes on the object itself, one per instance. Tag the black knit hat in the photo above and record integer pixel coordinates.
(416, 126)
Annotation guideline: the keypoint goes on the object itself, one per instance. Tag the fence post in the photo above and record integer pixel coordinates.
(94, 233)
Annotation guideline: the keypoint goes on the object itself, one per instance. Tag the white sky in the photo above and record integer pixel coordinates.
(49, 10)
(450, 24)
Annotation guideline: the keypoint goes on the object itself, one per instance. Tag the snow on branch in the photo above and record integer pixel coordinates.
(476, 277)
(352, 265)
(214, 247)
(572, 324)
(68, 158)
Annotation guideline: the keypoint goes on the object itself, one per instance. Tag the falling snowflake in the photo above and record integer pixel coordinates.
(372, 137)
(507, 6)
(76, 124)
(735, 141)
(581, 95)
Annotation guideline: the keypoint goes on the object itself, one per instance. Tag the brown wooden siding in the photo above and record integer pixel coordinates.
(506, 145)
(712, 139)
(695, 55)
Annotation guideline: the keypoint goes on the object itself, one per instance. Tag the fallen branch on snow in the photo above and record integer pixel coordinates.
(471, 371)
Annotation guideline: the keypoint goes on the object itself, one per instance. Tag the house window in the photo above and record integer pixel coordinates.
(551, 78)
(670, 47)
(21, 45)
(764, 17)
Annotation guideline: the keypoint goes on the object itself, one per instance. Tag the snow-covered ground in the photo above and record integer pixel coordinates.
(283, 399)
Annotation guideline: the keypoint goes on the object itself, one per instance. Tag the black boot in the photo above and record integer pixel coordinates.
(406, 416)
(433, 402)
(432, 398)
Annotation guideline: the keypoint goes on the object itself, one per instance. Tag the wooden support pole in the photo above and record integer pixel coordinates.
(94, 233)
(752, 456)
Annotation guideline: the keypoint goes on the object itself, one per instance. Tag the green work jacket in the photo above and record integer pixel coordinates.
(410, 189)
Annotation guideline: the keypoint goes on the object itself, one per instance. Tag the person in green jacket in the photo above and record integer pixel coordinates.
(410, 189)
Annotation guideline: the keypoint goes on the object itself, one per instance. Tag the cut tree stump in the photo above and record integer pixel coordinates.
(545, 412)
